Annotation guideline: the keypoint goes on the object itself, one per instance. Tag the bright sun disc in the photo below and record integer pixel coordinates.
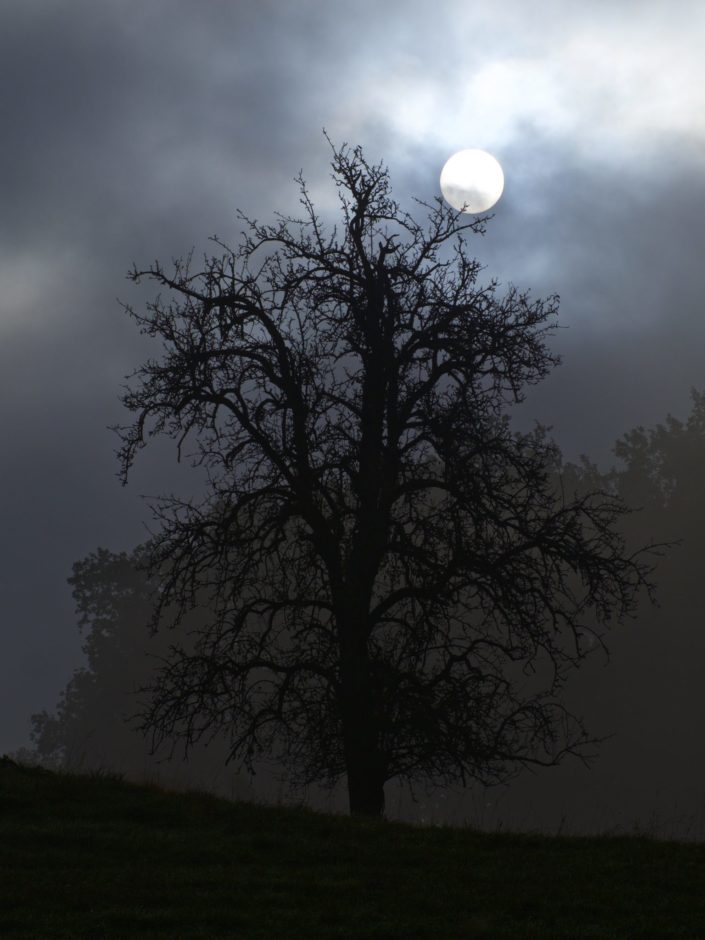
(472, 181)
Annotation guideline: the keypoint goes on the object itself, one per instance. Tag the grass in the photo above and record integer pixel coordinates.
(96, 857)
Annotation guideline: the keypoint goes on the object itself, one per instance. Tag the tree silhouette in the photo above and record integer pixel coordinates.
(389, 568)
(90, 727)
(114, 600)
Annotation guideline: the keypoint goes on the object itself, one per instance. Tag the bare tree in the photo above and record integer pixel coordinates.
(396, 584)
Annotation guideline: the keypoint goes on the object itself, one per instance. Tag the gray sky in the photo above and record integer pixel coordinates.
(133, 131)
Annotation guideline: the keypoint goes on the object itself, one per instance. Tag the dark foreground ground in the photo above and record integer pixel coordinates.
(94, 857)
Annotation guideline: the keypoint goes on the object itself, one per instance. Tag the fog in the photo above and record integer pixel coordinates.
(136, 132)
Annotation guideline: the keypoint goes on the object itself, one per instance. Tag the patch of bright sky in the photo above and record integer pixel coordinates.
(29, 288)
(613, 82)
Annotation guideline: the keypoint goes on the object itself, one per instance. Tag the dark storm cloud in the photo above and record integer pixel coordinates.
(133, 131)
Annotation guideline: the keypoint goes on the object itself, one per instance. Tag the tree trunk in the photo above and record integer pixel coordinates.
(365, 773)
(365, 793)
(364, 762)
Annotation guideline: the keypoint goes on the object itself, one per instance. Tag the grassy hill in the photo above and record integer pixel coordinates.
(95, 857)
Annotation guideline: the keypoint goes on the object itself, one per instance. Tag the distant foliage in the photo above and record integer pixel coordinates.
(114, 601)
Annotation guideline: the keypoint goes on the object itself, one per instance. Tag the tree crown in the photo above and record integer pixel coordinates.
(384, 558)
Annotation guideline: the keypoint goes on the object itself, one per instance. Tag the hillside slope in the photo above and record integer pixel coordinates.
(95, 857)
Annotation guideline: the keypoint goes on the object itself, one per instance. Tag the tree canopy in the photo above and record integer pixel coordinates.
(396, 582)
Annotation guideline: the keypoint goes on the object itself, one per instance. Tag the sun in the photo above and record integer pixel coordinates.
(472, 181)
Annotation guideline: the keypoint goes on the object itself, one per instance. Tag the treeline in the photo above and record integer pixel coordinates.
(651, 695)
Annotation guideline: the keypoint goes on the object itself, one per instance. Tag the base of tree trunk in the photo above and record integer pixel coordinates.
(367, 800)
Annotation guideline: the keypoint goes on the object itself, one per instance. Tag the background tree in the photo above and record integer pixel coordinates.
(114, 601)
(389, 570)
(91, 726)
(652, 693)
(647, 695)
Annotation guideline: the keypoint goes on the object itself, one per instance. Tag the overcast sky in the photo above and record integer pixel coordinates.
(133, 130)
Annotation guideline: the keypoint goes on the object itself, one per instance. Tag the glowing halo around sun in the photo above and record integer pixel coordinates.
(472, 181)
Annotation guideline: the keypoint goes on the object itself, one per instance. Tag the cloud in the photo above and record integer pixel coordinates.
(617, 82)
